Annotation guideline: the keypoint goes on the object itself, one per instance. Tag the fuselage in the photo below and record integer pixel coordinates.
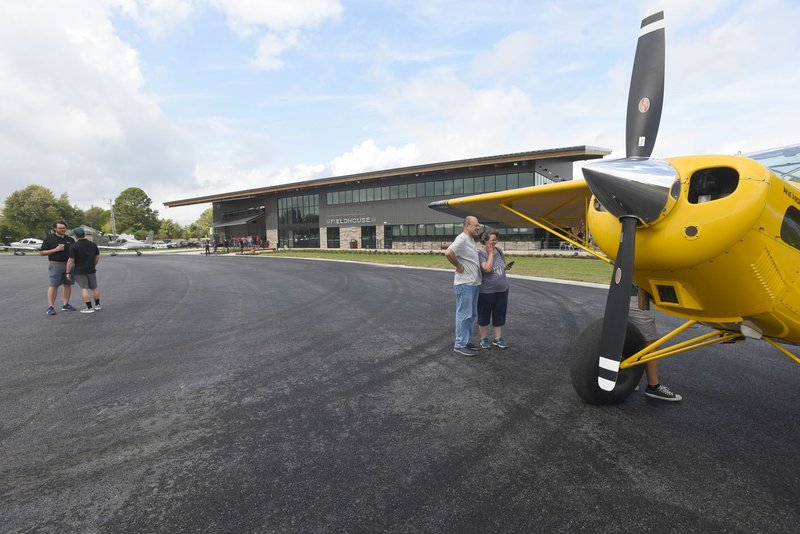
(725, 250)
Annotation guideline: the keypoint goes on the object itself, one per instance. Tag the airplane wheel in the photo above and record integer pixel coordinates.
(584, 368)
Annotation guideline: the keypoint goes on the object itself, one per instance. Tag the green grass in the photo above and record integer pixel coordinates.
(565, 268)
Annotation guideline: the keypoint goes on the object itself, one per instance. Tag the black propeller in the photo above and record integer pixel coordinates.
(626, 189)
(646, 94)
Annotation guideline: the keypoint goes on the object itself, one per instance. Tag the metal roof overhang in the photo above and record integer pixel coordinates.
(240, 220)
(574, 153)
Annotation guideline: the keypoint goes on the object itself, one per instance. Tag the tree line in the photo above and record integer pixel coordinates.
(30, 212)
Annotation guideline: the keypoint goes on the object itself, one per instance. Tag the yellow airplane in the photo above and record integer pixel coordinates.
(714, 240)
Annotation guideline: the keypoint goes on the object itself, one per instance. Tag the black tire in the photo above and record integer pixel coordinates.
(584, 367)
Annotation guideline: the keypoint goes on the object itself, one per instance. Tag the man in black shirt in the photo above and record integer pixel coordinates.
(56, 247)
(81, 267)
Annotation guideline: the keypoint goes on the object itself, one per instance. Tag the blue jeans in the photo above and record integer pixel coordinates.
(466, 312)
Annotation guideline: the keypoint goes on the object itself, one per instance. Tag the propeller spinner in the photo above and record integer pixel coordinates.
(634, 189)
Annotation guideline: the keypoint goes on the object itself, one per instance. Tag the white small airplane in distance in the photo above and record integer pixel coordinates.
(23, 245)
(126, 242)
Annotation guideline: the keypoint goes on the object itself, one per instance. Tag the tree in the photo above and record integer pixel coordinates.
(205, 222)
(169, 229)
(133, 213)
(9, 231)
(72, 215)
(96, 217)
(31, 210)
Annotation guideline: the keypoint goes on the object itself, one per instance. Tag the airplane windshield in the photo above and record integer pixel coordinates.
(784, 162)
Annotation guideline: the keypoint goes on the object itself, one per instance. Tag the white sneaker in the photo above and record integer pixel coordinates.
(87, 310)
(97, 307)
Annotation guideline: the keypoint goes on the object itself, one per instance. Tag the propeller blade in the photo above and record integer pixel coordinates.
(615, 321)
(646, 94)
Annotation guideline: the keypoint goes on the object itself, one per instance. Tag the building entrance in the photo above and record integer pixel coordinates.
(368, 237)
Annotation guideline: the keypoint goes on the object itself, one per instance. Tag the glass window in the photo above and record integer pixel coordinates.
(458, 187)
(421, 189)
(790, 228)
(333, 237)
(430, 189)
(469, 185)
(438, 188)
(525, 179)
(500, 182)
(412, 230)
(402, 191)
(448, 187)
(393, 192)
(341, 197)
(439, 228)
(370, 194)
(362, 195)
(328, 198)
(348, 197)
(385, 193)
(489, 185)
(513, 181)
(479, 184)
(429, 230)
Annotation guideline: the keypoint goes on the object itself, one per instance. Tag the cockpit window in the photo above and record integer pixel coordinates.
(790, 228)
(784, 162)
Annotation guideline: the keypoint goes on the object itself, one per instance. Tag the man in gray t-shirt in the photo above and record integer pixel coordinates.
(463, 255)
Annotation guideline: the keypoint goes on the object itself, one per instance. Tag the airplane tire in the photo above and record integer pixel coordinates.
(584, 368)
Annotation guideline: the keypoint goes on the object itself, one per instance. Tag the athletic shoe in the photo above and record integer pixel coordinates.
(51, 311)
(498, 342)
(662, 393)
(470, 346)
(97, 307)
(87, 310)
(464, 351)
(68, 307)
(485, 343)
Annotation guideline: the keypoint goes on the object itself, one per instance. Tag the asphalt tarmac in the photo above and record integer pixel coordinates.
(257, 394)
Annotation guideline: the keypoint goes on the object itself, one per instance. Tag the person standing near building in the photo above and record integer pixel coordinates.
(82, 268)
(493, 297)
(463, 255)
(56, 247)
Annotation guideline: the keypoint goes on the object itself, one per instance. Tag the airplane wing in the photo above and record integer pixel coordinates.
(20, 248)
(558, 205)
(555, 207)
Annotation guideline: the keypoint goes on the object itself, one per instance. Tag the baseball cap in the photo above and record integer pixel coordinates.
(78, 232)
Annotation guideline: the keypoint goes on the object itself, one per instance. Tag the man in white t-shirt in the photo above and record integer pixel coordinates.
(463, 254)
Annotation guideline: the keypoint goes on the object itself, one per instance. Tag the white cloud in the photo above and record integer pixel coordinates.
(270, 47)
(247, 17)
(157, 16)
(367, 156)
(510, 56)
(75, 118)
(449, 119)
(280, 20)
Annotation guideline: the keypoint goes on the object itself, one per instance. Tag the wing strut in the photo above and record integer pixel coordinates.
(556, 232)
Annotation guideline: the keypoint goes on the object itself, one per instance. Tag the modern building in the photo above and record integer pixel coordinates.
(386, 209)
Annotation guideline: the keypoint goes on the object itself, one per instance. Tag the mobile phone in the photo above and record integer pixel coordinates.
(510, 264)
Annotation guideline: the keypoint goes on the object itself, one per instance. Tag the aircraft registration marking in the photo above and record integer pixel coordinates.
(791, 194)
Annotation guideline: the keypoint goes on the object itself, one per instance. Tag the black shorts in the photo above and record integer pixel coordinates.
(492, 306)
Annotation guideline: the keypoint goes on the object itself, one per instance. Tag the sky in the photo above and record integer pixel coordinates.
(185, 98)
